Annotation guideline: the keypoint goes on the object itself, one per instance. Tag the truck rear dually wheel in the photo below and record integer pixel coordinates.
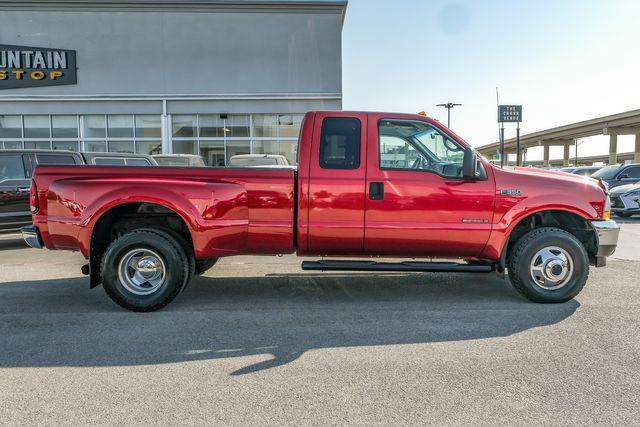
(548, 265)
(202, 265)
(145, 269)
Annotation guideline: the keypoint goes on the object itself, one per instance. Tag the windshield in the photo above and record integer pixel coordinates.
(607, 172)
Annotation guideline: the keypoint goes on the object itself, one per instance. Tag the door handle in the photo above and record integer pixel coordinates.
(376, 190)
(23, 190)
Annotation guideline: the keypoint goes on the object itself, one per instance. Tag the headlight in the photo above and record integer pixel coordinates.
(633, 193)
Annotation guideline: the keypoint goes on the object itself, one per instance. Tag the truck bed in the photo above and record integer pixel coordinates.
(230, 210)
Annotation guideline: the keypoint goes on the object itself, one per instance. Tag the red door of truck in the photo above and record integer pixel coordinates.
(336, 182)
(417, 204)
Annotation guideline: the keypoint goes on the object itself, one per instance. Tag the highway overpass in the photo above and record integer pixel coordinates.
(627, 123)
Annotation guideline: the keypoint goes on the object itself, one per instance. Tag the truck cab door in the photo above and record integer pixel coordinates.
(417, 203)
(337, 184)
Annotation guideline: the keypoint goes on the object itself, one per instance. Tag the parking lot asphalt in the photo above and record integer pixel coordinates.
(258, 341)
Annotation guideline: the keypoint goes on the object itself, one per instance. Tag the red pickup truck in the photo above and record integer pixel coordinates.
(367, 185)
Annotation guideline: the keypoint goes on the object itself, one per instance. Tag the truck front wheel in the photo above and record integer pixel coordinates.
(548, 265)
(144, 269)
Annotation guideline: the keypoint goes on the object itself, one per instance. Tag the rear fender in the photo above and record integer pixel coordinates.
(216, 214)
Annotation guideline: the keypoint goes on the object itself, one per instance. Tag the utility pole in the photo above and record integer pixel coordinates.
(448, 106)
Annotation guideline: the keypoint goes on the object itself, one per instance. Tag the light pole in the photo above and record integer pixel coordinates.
(448, 106)
(578, 142)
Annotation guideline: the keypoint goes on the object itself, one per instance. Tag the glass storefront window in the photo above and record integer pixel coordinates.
(11, 145)
(95, 126)
(64, 126)
(289, 149)
(36, 127)
(235, 148)
(184, 147)
(120, 126)
(10, 127)
(265, 125)
(120, 146)
(37, 145)
(237, 126)
(184, 125)
(65, 145)
(149, 147)
(289, 125)
(148, 126)
(95, 146)
(214, 126)
(211, 125)
(212, 152)
(264, 147)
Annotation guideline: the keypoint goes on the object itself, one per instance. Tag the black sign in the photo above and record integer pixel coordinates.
(509, 113)
(23, 66)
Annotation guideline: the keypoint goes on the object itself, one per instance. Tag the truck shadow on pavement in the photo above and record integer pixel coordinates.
(63, 323)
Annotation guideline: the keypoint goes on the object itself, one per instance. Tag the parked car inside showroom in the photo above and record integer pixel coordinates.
(625, 200)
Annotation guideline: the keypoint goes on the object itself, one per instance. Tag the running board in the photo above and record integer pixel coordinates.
(433, 267)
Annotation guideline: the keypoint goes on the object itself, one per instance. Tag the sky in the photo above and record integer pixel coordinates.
(563, 60)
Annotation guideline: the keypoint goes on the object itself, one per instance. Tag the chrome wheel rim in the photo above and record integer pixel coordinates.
(551, 268)
(142, 271)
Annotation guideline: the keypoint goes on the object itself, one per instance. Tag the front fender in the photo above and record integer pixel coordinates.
(510, 211)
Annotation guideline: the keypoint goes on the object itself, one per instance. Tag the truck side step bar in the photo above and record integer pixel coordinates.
(433, 267)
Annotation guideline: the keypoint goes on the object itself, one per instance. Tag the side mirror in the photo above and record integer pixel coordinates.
(623, 176)
(470, 164)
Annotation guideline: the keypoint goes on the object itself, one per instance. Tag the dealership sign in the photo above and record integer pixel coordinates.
(23, 66)
(509, 113)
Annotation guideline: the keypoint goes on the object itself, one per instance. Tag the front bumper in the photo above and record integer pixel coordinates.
(31, 235)
(607, 239)
(624, 204)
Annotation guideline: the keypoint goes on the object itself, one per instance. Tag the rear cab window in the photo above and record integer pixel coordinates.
(11, 167)
(138, 162)
(108, 161)
(340, 143)
(55, 159)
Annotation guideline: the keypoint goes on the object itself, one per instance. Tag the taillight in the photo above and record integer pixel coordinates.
(33, 197)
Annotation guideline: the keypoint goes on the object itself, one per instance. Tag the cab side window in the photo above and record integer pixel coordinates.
(340, 143)
(632, 172)
(415, 145)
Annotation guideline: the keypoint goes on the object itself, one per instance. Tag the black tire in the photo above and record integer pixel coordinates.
(528, 247)
(624, 214)
(188, 250)
(145, 240)
(202, 265)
